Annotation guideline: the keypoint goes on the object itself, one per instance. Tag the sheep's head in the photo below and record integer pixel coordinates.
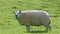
(17, 14)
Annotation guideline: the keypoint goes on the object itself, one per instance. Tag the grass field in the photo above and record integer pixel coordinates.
(9, 25)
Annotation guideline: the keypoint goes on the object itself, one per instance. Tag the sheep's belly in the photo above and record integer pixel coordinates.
(32, 23)
(35, 23)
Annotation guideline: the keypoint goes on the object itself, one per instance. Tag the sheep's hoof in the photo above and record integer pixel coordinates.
(28, 31)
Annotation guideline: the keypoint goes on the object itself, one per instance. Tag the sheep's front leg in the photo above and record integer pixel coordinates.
(28, 28)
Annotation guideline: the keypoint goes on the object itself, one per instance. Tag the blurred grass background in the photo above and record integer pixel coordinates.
(9, 25)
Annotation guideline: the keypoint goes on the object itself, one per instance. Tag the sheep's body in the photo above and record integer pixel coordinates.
(34, 18)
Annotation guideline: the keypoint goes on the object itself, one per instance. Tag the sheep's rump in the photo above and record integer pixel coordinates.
(34, 18)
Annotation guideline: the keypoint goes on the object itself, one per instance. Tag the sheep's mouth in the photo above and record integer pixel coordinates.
(16, 16)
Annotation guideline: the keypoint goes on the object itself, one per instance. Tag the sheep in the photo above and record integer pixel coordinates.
(33, 18)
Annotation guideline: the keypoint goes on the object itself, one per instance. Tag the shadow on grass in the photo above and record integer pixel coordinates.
(38, 32)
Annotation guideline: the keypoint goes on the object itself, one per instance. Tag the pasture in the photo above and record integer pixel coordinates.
(9, 25)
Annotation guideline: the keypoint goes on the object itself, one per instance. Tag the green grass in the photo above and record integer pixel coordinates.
(9, 25)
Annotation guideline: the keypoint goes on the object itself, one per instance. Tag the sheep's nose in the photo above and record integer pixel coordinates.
(16, 16)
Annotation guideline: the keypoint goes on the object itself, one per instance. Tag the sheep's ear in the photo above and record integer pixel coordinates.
(19, 11)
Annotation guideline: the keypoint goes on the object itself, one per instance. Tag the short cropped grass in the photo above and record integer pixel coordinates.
(9, 25)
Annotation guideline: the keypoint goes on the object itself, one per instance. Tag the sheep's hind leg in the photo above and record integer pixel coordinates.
(28, 28)
(48, 27)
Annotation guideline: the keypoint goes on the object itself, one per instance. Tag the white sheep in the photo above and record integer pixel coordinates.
(33, 18)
